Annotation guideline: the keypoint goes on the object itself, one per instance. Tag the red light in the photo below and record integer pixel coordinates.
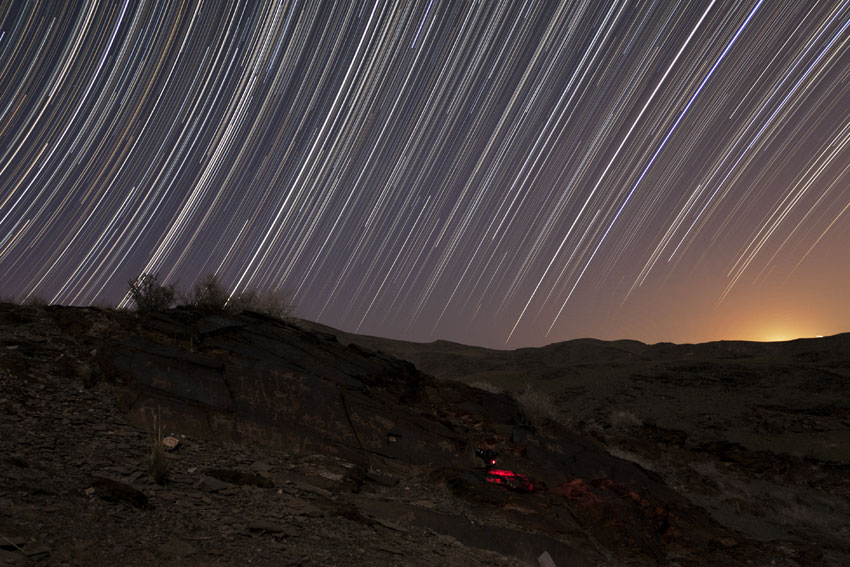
(510, 479)
(502, 472)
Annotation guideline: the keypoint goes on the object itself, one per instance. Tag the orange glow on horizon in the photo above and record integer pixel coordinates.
(778, 335)
(784, 327)
(776, 329)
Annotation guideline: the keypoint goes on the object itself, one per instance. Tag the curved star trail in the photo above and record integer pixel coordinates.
(497, 173)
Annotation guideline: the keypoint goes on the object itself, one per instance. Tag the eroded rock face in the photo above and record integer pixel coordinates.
(256, 380)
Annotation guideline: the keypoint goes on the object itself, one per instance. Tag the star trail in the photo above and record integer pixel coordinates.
(496, 173)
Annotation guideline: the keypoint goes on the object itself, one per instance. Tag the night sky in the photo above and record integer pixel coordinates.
(496, 173)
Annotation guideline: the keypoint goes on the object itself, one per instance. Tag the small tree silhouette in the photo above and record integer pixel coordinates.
(149, 295)
(208, 293)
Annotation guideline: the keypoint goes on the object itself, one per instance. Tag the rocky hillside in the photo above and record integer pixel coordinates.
(296, 448)
(756, 434)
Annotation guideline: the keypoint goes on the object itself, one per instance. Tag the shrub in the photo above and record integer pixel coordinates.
(536, 406)
(273, 303)
(149, 295)
(208, 294)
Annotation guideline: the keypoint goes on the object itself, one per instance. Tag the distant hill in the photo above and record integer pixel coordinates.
(513, 369)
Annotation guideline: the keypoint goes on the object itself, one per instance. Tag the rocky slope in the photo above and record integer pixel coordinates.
(757, 434)
(295, 449)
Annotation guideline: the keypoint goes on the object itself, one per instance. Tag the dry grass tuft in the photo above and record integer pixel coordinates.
(158, 464)
(537, 407)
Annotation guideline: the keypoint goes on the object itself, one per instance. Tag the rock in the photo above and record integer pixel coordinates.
(10, 558)
(307, 487)
(12, 542)
(331, 473)
(381, 479)
(260, 381)
(265, 526)
(393, 549)
(545, 560)
(170, 442)
(212, 484)
(392, 525)
(176, 547)
(240, 478)
(114, 491)
(301, 508)
(519, 436)
(35, 549)
(260, 466)
(270, 526)
(728, 541)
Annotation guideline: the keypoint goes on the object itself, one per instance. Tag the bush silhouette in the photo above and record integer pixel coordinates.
(149, 295)
(276, 304)
(208, 293)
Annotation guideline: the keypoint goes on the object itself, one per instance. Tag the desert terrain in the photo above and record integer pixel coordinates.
(297, 444)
